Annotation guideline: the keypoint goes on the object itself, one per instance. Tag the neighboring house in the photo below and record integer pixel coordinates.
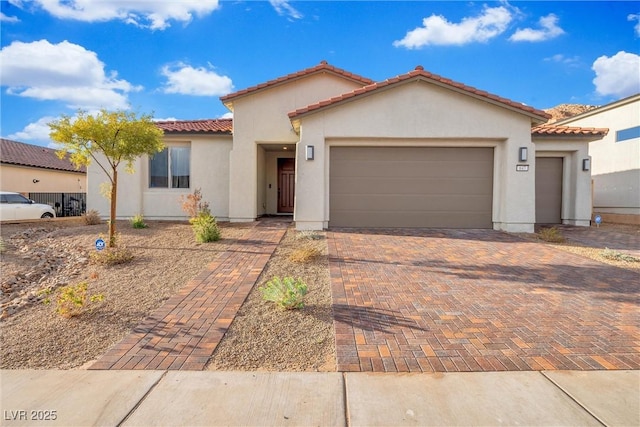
(615, 167)
(38, 173)
(338, 150)
(27, 168)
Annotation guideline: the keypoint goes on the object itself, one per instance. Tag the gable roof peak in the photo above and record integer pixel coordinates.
(323, 66)
(537, 116)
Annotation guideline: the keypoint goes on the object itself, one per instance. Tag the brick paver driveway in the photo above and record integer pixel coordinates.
(477, 300)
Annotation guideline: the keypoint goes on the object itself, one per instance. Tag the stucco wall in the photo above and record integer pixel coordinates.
(19, 179)
(615, 166)
(419, 114)
(262, 118)
(209, 171)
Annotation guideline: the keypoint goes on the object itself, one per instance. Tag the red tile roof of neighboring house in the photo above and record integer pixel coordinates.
(224, 126)
(19, 153)
(322, 67)
(419, 72)
(553, 130)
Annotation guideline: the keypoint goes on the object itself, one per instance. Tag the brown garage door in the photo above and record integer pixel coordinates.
(411, 187)
(548, 190)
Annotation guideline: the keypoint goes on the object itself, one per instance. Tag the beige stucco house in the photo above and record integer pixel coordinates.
(616, 159)
(335, 149)
(26, 168)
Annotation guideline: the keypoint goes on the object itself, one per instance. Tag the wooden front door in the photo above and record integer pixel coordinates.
(286, 185)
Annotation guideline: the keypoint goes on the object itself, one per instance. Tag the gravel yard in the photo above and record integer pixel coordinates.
(56, 253)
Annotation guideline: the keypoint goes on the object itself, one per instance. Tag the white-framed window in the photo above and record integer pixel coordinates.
(170, 168)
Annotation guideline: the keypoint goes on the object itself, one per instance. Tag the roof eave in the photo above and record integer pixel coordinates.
(536, 118)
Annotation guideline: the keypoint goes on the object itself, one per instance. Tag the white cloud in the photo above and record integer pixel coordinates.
(549, 30)
(228, 115)
(8, 19)
(38, 131)
(186, 80)
(436, 30)
(573, 61)
(618, 75)
(285, 9)
(635, 17)
(143, 13)
(63, 72)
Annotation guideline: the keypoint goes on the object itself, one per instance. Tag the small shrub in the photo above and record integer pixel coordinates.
(193, 205)
(74, 300)
(138, 222)
(618, 256)
(304, 254)
(92, 217)
(287, 293)
(205, 227)
(308, 235)
(3, 246)
(551, 235)
(118, 254)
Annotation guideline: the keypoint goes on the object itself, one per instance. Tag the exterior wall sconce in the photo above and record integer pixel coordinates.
(309, 153)
(586, 164)
(35, 181)
(523, 153)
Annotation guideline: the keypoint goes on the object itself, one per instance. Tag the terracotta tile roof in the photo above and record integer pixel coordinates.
(322, 67)
(19, 153)
(552, 130)
(223, 126)
(419, 72)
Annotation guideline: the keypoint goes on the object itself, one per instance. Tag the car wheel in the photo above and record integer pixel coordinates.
(46, 215)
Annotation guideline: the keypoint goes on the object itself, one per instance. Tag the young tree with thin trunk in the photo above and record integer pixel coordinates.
(109, 138)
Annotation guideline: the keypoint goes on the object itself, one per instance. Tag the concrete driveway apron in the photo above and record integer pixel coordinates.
(477, 300)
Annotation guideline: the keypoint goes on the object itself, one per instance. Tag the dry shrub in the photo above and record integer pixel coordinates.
(305, 254)
(92, 217)
(112, 256)
(551, 235)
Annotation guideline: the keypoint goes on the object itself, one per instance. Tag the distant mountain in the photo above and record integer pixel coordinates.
(564, 111)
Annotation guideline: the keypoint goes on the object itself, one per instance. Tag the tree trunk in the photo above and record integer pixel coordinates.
(112, 215)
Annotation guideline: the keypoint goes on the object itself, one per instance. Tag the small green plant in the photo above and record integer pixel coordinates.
(3, 246)
(618, 256)
(92, 217)
(73, 300)
(552, 235)
(304, 254)
(138, 221)
(205, 227)
(287, 293)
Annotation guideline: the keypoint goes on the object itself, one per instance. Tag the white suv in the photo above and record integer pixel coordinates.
(16, 206)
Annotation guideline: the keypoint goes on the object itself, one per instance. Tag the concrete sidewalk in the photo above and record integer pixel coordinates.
(168, 398)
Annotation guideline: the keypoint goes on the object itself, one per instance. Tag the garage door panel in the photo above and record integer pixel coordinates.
(424, 169)
(411, 187)
(371, 219)
(415, 186)
(411, 203)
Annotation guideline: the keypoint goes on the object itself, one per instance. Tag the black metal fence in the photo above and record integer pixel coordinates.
(65, 204)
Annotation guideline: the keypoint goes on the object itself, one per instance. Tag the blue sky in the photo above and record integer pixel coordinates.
(176, 58)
